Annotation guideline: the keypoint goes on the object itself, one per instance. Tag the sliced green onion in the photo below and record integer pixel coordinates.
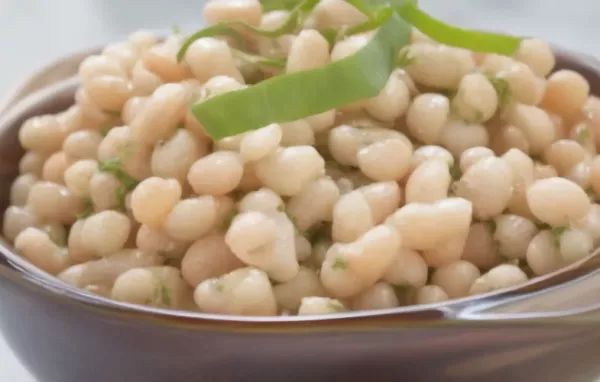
(297, 95)
(276, 5)
(295, 19)
(450, 35)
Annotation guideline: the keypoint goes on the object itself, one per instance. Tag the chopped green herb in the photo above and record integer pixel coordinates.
(331, 35)
(88, 209)
(455, 171)
(583, 135)
(104, 129)
(114, 167)
(404, 58)
(557, 233)
(165, 295)
(272, 5)
(340, 264)
(503, 89)
(219, 287)
(121, 196)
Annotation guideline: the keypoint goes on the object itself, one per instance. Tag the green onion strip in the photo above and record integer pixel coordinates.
(294, 96)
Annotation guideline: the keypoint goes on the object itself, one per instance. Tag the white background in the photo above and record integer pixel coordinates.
(35, 31)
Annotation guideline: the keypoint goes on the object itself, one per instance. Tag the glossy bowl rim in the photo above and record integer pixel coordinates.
(447, 309)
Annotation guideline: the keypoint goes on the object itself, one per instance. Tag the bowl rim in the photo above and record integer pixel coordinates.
(447, 311)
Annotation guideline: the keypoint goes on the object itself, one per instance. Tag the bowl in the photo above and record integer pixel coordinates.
(544, 330)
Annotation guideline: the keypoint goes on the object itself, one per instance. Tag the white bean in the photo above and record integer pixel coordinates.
(289, 294)
(458, 136)
(392, 102)
(174, 157)
(192, 218)
(543, 255)
(383, 199)
(153, 199)
(352, 217)
(216, 174)
(266, 241)
(208, 258)
(456, 278)
(481, 249)
(263, 200)
(379, 296)
(290, 169)
(314, 204)
(476, 99)
(535, 123)
(245, 291)
(312, 306)
(408, 268)
(513, 235)
(260, 143)
(16, 220)
(488, 184)
(557, 201)
(474, 155)
(105, 232)
(439, 66)
(431, 294)
(575, 245)
(208, 57)
(427, 116)
(309, 50)
(36, 246)
(429, 182)
(385, 160)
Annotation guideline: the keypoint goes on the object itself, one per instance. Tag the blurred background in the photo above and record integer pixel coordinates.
(32, 32)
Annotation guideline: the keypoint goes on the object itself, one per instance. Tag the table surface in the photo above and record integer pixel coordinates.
(35, 31)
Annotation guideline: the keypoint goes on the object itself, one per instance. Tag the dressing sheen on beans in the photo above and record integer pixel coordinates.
(468, 173)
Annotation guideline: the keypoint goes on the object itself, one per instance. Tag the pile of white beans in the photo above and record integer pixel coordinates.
(440, 187)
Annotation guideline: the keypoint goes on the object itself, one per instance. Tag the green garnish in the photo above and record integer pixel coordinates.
(275, 5)
(478, 116)
(331, 35)
(113, 113)
(219, 287)
(557, 233)
(165, 295)
(295, 19)
(340, 264)
(404, 59)
(114, 167)
(284, 98)
(455, 171)
(503, 89)
(443, 33)
(362, 75)
(582, 135)
(88, 210)
(104, 129)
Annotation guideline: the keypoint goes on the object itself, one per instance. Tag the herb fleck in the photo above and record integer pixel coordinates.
(219, 287)
(88, 209)
(455, 171)
(340, 264)
(557, 233)
(478, 116)
(502, 88)
(165, 295)
(114, 166)
(104, 129)
(229, 218)
(491, 226)
(405, 59)
(582, 135)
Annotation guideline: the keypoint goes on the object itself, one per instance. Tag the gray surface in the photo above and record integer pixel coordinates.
(35, 31)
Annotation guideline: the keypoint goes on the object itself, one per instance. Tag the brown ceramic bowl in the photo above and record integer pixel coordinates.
(547, 330)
